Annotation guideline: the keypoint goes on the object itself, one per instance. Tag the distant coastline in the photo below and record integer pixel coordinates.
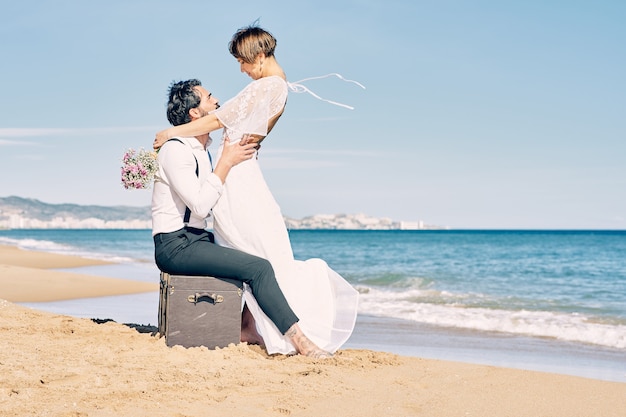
(26, 213)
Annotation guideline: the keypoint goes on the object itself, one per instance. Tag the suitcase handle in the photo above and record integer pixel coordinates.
(216, 298)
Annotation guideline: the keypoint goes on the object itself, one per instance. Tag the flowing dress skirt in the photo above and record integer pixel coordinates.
(248, 218)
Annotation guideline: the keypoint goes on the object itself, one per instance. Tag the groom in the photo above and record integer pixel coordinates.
(185, 190)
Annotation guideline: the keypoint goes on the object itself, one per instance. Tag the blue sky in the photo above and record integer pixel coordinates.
(476, 114)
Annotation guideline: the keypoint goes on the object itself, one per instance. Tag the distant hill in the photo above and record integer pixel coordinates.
(35, 209)
(18, 212)
(28, 213)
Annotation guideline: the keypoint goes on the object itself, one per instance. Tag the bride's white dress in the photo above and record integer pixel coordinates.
(248, 218)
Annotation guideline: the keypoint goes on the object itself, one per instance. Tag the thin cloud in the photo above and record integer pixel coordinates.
(298, 153)
(39, 132)
(4, 142)
(307, 158)
(319, 119)
(273, 162)
(31, 157)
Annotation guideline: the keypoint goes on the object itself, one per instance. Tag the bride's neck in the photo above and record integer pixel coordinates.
(271, 67)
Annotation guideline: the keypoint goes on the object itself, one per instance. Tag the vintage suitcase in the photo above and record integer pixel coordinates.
(200, 310)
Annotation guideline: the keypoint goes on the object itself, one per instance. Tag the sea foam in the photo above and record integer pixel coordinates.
(572, 327)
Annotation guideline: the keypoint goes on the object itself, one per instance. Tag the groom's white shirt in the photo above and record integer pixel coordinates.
(176, 186)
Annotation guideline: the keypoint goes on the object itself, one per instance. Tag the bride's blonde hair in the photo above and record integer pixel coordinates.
(251, 41)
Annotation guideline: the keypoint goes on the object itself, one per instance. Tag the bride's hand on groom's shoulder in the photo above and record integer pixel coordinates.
(160, 138)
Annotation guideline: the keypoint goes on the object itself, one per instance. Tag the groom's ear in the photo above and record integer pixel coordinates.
(194, 113)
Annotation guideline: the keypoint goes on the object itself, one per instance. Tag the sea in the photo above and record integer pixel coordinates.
(542, 300)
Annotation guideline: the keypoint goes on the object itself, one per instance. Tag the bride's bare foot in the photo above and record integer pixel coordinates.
(320, 354)
(304, 345)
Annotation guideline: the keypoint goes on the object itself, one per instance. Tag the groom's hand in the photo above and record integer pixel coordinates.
(233, 154)
(249, 138)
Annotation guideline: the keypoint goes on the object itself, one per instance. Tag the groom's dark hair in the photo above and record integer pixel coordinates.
(182, 98)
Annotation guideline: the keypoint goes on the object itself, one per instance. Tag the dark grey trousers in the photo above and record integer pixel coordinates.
(191, 251)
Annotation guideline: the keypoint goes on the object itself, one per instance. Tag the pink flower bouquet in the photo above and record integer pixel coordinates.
(138, 169)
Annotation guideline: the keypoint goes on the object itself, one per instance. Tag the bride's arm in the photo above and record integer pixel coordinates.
(198, 127)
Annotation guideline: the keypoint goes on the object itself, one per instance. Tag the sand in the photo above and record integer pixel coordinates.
(25, 276)
(56, 365)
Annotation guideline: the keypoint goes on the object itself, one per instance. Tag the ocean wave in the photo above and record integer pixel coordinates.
(430, 307)
(33, 244)
(63, 249)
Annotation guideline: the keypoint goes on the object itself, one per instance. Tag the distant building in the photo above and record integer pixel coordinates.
(403, 225)
(21, 213)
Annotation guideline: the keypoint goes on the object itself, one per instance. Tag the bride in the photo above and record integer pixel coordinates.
(247, 217)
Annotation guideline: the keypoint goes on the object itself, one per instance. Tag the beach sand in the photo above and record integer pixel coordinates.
(25, 276)
(57, 365)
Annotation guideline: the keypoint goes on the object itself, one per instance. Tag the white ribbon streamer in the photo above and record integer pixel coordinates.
(297, 87)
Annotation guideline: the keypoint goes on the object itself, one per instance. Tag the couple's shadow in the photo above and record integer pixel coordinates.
(141, 328)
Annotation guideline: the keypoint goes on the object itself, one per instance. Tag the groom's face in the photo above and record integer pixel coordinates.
(208, 103)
